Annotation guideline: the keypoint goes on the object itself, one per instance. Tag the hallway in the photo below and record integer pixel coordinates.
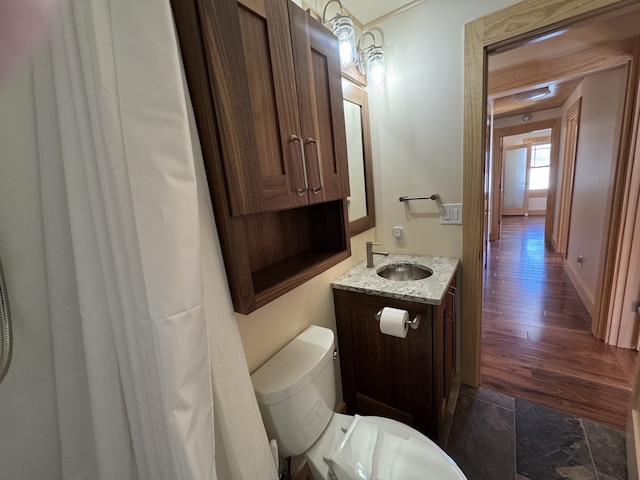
(536, 339)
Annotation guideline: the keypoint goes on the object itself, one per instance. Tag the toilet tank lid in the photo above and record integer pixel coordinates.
(293, 367)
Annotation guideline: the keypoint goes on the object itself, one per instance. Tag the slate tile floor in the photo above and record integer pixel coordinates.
(496, 437)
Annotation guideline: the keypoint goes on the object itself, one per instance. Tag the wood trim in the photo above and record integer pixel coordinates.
(621, 322)
(506, 28)
(496, 186)
(355, 94)
(563, 68)
(568, 172)
(532, 140)
(537, 194)
(553, 178)
(353, 75)
(475, 104)
(623, 168)
(255, 6)
(530, 19)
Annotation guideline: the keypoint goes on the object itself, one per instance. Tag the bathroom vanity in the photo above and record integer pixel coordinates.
(407, 379)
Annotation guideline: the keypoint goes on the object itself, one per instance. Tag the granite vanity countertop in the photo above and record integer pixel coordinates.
(429, 290)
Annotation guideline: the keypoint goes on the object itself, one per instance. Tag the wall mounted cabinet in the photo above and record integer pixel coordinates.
(275, 78)
(265, 82)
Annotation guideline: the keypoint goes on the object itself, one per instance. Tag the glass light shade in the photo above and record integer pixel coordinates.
(343, 29)
(376, 66)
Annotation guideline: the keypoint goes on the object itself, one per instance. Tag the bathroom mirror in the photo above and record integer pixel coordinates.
(356, 113)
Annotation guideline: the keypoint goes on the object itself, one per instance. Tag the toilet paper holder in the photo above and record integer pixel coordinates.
(413, 323)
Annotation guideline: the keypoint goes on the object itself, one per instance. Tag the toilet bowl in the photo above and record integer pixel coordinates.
(295, 390)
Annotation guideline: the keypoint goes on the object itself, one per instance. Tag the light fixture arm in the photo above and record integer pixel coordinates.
(337, 15)
(372, 52)
(373, 42)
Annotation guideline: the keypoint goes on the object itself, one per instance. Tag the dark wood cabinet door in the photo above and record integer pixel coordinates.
(250, 64)
(381, 374)
(318, 80)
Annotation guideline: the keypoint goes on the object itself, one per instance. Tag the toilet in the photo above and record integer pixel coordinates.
(296, 394)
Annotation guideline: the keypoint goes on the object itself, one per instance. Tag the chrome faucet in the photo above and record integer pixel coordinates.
(371, 252)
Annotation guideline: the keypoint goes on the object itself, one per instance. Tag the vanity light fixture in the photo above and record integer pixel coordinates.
(535, 94)
(371, 59)
(342, 27)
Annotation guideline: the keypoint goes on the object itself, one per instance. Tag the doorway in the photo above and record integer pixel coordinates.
(505, 30)
(525, 22)
(542, 131)
(525, 177)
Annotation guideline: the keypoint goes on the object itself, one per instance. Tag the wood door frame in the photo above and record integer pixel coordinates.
(496, 201)
(568, 166)
(509, 28)
(622, 327)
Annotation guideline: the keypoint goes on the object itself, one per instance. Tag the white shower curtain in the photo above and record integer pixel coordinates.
(136, 377)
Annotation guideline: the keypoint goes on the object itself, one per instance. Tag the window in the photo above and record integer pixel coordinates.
(540, 164)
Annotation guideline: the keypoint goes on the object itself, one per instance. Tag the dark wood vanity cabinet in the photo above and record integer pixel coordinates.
(265, 83)
(407, 379)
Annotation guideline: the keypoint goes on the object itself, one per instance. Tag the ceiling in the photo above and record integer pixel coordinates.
(611, 28)
(508, 106)
(368, 11)
(623, 24)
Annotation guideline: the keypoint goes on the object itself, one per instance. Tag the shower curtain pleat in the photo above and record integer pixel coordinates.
(242, 447)
(133, 370)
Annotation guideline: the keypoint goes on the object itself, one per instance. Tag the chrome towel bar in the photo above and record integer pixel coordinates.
(435, 196)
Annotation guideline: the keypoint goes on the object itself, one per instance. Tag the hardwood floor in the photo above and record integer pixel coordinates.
(536, 333)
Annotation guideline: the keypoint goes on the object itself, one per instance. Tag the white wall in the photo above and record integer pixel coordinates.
(29, 444)
(416, 132)
(417, 120)
(598, 138)
(271, 327)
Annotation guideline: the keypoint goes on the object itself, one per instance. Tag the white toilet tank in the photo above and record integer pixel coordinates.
(296, 390)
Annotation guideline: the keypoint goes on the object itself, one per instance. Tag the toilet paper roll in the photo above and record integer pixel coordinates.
(393, 321)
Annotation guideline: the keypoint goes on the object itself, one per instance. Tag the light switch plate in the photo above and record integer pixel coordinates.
(451, 214)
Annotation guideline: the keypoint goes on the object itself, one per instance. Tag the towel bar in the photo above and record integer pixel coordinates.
(435, 196)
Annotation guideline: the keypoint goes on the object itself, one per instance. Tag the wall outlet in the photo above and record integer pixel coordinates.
(398, 233)
(451, 214)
